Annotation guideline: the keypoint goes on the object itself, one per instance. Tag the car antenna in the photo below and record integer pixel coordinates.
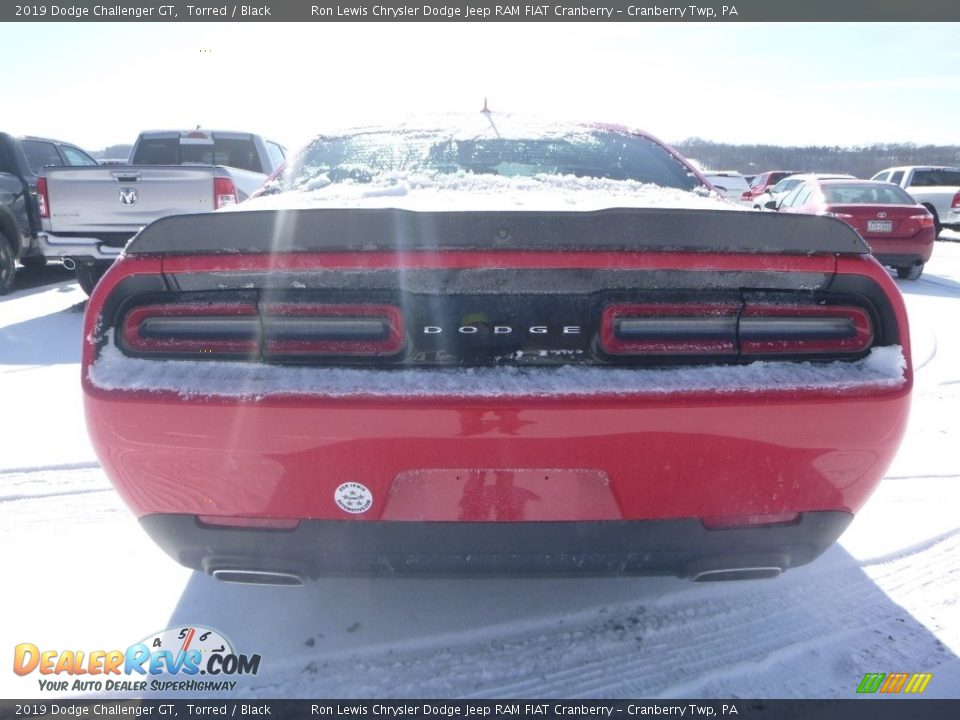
(486, 111)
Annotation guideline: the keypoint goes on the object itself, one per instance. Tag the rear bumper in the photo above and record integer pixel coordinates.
(58, 246)
(663, 547)
(903, 253)
(902, 259)
(509, 459)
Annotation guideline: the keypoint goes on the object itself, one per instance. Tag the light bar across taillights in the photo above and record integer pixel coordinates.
(730, 329)
(231, 329)
(269, 330)
(669, 329)
(361, 330)
(800, 329)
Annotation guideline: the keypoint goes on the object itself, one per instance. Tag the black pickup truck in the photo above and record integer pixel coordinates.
(21, 161)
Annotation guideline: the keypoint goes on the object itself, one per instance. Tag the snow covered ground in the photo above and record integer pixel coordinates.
(80, 574)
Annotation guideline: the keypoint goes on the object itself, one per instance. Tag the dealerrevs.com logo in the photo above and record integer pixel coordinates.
(188, 659)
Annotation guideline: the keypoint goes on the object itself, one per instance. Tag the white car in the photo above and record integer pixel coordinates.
(780, 190)
(730, 183)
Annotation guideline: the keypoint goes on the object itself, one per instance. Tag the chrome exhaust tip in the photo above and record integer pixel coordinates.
(737, 573)
(257, 577)
(69, 263)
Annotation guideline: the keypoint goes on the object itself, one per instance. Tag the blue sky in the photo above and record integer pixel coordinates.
(831, 83)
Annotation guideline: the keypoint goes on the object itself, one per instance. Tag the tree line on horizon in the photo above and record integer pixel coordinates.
(862, 162)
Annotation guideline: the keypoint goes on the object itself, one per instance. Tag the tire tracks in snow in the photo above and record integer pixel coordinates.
(827, 622)
(24, 484)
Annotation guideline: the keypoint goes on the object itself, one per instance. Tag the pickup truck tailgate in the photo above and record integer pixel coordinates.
(124, 198)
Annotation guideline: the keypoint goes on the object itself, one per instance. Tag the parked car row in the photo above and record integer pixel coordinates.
(900, 211)
(56, 201)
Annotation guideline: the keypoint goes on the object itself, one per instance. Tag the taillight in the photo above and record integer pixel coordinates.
(709, 329)
(732, 329)
(924, 220)
(275, 331)
(316, 330)
(224, 192)
(43, 201)
(746, 195)
(803, 329)
(955, 203)
(231, 329)
(846, 217)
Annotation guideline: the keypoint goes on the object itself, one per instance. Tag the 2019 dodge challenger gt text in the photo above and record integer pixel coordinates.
(490, 345)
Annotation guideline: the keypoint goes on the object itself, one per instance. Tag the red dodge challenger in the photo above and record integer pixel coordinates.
(487, 345)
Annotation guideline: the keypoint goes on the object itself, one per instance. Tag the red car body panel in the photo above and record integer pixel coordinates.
(443, 458)
(912, 233)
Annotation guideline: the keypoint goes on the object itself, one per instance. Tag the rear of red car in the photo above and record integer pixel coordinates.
(543, 388)
(900, 232)
(588, 401)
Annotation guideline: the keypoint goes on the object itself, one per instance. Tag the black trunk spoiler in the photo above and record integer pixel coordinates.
(616, 229)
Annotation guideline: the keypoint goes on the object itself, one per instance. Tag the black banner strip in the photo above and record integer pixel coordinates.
(938, 11)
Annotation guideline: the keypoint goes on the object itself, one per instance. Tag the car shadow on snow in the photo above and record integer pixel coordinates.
(813, 632)
(50, 339)
(30, 278)
(930, 284)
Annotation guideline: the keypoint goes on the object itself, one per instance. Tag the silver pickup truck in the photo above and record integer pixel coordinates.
(89, 213)
(936, 187)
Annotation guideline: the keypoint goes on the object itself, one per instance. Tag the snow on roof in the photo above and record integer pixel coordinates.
(474, 126)
(468, 191)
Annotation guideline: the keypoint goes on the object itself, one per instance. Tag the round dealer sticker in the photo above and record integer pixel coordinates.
(353, 498)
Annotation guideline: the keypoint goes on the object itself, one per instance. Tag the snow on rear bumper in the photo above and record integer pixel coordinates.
(883, 368)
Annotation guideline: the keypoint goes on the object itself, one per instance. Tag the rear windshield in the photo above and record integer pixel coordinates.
(776, 177)
(786, 185)
(929, 178)
(860, 193)
(40, 154)
(730, 182)
(363, 157)
(233, 152)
